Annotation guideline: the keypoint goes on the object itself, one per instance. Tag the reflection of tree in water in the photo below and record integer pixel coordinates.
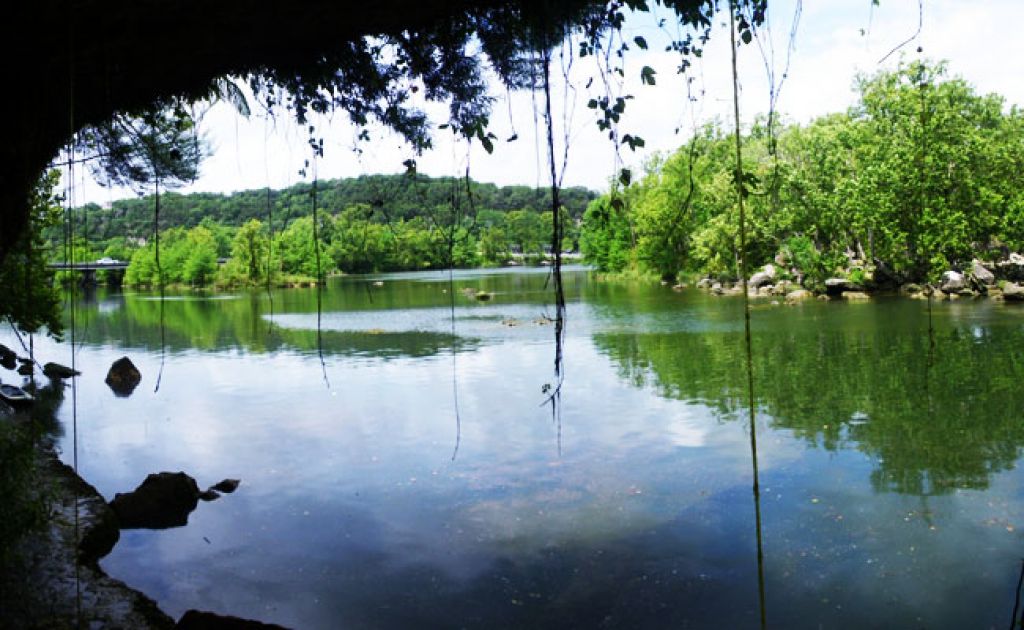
(863, 389)
(192, 322)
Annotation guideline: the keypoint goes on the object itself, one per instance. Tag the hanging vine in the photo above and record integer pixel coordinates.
(741, 193)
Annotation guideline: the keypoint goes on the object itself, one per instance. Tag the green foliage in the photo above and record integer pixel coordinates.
(25, 506)
(919, 177)
(373, 223)
(606, 241)
(30, 300)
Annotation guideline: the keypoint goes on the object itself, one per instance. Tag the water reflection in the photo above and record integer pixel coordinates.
(880, 509)
(929, 429)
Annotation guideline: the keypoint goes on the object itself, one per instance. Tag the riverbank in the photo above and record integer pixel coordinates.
(53, 581)
(1000, 281)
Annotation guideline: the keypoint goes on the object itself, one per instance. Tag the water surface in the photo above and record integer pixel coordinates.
(397, 475)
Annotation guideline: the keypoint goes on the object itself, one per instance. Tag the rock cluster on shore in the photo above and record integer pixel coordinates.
(1001, 280)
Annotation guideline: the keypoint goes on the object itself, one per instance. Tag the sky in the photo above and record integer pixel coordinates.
(834, 41)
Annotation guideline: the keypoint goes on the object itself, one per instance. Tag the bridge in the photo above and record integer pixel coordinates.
(89, 269)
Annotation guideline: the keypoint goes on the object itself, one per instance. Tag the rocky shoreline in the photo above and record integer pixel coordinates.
(50, 577)
(56, 582)
(999, 281)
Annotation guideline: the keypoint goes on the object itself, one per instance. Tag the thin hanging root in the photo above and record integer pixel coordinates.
(160, 281)
(555, 397)
(740, 193)
(319, 275)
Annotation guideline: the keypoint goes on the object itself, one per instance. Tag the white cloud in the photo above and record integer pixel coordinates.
(978, 39)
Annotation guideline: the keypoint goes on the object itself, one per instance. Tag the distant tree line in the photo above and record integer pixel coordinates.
(920, 176)
(366, 224)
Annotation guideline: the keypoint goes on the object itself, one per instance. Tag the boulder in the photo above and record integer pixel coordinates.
(8, 358)
(1011, 269)
(765, 276)
(1013, 292)
(981, 274)
(58, 371)
(836, 286)
(227, 486)
(704, 283)
(209, 495)
(799, 294)
(910, 289)
(123, 377)
(201, 620)
(855, 296)
(163, 500)
(952, 282)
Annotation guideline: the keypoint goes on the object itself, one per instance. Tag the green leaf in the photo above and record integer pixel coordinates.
(640, 42)
(625, 177)
(647, 75)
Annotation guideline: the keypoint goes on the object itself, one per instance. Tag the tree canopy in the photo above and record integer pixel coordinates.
(95, 62)
(920, 176)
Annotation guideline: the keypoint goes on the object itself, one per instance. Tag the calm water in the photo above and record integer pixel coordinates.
(370, 498)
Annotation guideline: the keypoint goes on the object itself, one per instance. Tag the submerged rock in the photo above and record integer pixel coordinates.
(123, 377)
(856, 296)
(799, 294)
(163, 500)
(57, 371)
(201, 620)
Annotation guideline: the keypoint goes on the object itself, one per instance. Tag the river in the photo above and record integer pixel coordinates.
(395, 475)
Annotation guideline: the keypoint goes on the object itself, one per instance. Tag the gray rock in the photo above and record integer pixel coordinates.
(836, 286)
(981, 274)
(952, 282)
(163, 500)
(704, 283)
(765, 276)
(1013, 292)
(855, 296)
(799, 294)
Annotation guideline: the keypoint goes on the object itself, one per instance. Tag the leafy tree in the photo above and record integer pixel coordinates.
(31, 302)
(494, 247)
(200, 266)
(248, 254)
(296, 249)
